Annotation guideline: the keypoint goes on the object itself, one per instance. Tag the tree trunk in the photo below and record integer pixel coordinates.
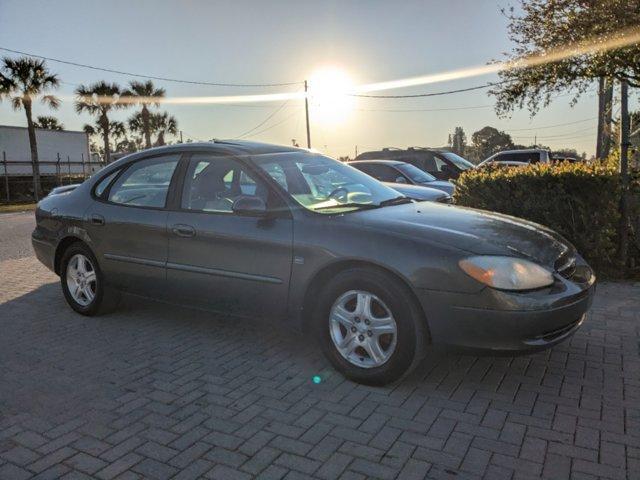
(600, 134)
(608, 118)
(35, 165)
(104, 123)
(160, 141)
(623, 249)
(146, 127)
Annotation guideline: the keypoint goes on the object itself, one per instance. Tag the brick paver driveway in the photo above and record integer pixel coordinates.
(160, 392)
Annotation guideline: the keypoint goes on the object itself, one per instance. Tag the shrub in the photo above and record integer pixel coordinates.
(578, 200)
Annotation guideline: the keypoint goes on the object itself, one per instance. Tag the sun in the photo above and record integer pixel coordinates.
(330, 101)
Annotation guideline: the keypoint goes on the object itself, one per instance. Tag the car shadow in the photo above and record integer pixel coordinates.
(55, 361)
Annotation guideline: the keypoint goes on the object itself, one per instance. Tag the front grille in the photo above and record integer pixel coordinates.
(566, 264)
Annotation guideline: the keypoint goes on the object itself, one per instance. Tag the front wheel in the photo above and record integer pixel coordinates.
(370, 327)
(83, 283)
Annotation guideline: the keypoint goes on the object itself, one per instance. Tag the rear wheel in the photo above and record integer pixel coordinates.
(370, 327)
(83, 283)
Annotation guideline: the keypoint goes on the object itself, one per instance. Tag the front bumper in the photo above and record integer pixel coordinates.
(497, 321)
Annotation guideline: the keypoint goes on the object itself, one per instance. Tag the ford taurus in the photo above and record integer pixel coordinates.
(284, 234)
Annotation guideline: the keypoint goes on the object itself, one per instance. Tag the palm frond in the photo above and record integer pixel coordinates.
(52, 101)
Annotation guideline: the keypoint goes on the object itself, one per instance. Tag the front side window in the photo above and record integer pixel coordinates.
(322, 184)
(213, 183)
(145, 183)
(415, 174)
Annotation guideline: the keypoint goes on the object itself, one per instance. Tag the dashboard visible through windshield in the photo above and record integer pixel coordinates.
(324, 185)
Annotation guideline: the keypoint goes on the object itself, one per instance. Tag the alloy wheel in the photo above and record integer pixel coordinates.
(81, 279)
(363, 329)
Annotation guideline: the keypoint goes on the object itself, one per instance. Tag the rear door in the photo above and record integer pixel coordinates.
(219, 259)
(127, 225)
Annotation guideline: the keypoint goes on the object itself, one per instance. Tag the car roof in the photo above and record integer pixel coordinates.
(228, 147)
(524, 150)
(379, 161)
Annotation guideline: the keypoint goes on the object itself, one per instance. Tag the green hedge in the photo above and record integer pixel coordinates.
(578, 200)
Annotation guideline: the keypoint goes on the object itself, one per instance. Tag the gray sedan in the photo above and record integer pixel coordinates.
(284, 234)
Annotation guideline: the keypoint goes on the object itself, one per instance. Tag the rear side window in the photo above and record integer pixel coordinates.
(384, 173)
(145, 183)
(104, 183)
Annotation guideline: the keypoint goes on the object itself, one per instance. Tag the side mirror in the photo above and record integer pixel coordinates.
(400, 179)
(249, 206)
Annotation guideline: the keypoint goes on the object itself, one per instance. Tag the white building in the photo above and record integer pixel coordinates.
(59, 152)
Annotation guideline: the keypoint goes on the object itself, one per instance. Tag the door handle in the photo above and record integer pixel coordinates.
(97, 220)
(183, 230)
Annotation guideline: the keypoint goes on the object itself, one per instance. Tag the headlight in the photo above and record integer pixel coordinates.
(506, 273)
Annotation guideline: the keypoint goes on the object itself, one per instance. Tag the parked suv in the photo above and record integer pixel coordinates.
(442, 164)
(519, 157)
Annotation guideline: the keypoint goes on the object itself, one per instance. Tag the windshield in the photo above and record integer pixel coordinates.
(415, 174)
(324, 185)
(459, 162)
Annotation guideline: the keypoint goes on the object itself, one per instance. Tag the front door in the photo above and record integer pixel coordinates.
(128, 226)
(224, 261)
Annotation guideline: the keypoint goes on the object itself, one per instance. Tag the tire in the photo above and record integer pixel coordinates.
(339, 320)
(95, 298)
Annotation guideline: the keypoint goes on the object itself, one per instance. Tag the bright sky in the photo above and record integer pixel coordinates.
(281, 41)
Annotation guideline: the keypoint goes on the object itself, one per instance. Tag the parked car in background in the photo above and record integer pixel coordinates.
(519, 157)
(297, 239)
(420, 193)
(565, 159)
(394, 171)
(442, 164)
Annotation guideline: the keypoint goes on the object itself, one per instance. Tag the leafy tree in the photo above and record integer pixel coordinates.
(489, 140)
(458, 141)
(48, 123)
(145, 94)
(542, 26)
(23, 80)
(100, 99)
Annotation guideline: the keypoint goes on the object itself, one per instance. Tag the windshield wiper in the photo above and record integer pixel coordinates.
(395, 201)
(349, 205)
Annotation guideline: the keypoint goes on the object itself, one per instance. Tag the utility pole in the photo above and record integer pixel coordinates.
(624, 173)
(356, 152)
(180, 136)
(306, 111)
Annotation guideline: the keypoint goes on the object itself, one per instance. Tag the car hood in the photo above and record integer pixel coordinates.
(443, 185)
(417, 192)
(475, 231)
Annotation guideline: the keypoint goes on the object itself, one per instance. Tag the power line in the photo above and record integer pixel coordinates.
(550, 126)
(400, 110)
(164, 79)
(269, 117)
(274, 125)
(433, 94)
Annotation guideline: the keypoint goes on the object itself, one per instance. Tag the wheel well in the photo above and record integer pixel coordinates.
(61, 248)
(323, 276)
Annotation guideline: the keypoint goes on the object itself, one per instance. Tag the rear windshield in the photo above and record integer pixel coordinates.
(457, 160)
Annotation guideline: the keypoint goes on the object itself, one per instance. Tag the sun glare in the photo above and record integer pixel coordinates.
(329, 99)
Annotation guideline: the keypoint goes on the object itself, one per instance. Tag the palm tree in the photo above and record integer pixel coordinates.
(99, 99)
(145, 94)
(163, 124)
(48, 123)
(23, 80)
(117, 130)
